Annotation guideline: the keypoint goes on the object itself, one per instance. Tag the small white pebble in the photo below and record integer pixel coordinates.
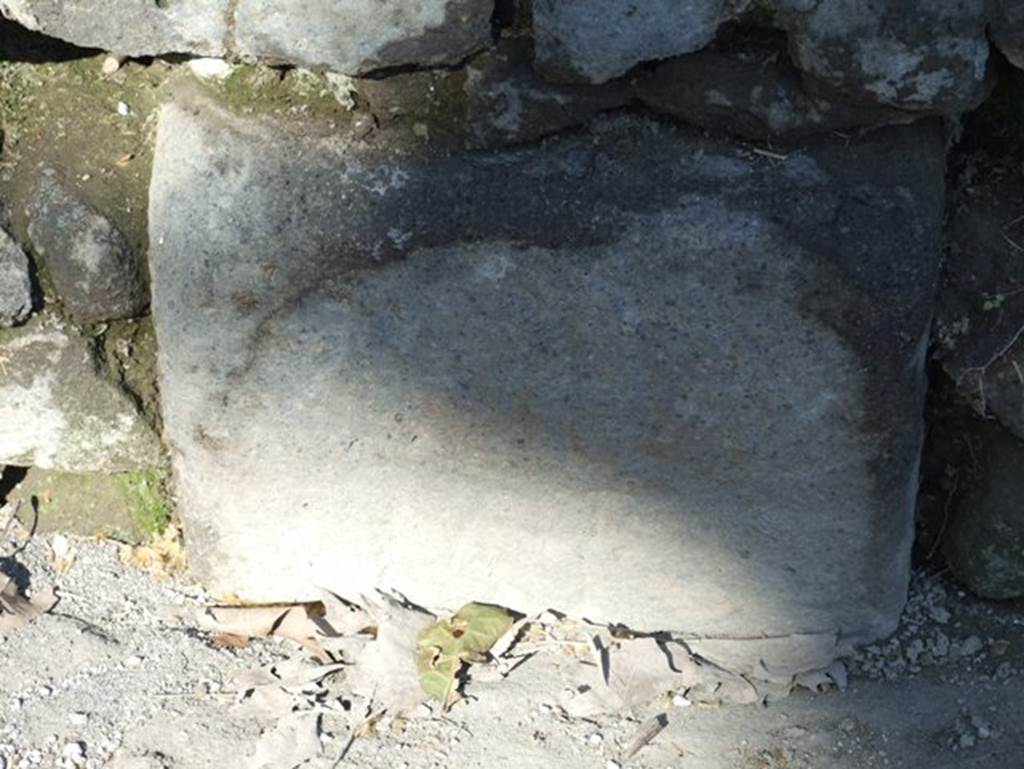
(216, 69)
(680, 701)
(44, 691)
(133, 662)
(595, 739)
(612, 765)
(79, 719)
(122, 109)
(111, 64)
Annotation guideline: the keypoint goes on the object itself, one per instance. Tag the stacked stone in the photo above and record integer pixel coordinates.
(530, 338)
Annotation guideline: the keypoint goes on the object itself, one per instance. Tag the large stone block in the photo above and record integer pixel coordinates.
(635, 374)
(57, 412)
(356, 36)
(1007, 30)
(596, 40)
(924, 56)
(349, 36)
(744, 85)
(15, 282)
(129, 27)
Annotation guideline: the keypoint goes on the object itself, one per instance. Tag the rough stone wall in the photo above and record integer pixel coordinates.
(618, 308)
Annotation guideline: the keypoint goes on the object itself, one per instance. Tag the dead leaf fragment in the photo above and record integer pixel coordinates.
(648, 730)
(385, 671)
(16, 610)
(293, 741)
(62, 554)
(162, 556)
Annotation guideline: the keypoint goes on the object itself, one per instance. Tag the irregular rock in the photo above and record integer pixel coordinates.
(985, 543)
(980, 307)
(507, 102)
(597, 40)
(927, 56)
(121, 506)
(15, 283)
(496, 99)
(58, 413)
(748, 88)
(352, 36)
(357, 36)
(89, 261)
(126, 27)
(534, 378)
(1007, 31)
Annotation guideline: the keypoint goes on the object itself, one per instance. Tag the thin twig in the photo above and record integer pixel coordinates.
(1002, 351)
(945, 516)
(772, 155)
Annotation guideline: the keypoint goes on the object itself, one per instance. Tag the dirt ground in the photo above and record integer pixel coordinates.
(110, 679)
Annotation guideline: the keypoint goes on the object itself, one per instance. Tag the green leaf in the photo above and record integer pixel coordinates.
(464, 638)
(482, 625)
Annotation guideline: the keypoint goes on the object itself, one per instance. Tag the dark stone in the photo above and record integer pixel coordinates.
(745, 85)
(985, 543)
(90, 262)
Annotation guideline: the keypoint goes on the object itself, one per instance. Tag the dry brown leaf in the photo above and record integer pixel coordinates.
(385, 672)
(62, 554)
(162, 556)
(16, 610)
(229, 640)
(287, 674)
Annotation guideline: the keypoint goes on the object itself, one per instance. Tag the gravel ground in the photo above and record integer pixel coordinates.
(106, 681)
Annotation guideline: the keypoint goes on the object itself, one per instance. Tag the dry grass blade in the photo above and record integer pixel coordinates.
(650, 729)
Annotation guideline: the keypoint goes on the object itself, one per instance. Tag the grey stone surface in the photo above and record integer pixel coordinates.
(57, 411)
(15, 282)
(1007, 30)
(507, 102)
(537, 378)
(355, 36)
(496, 99)
(980, 306)
(924, 56)
(90, 262)
(350, 36)
(985, 543)
(597, 40)
(745, 86)
(129, 27)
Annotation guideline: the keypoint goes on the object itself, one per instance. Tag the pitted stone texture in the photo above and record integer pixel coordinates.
(497, 98)
(507, 102)
(1007, 30)
(350, 36)
(129, 27)
(744, 85)
(635, 375)
(597, 40)
(924, 56)
(355, 36)
(979, 307)
(985, 543)
(92, 266)
(15, 283)
(57, 412)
